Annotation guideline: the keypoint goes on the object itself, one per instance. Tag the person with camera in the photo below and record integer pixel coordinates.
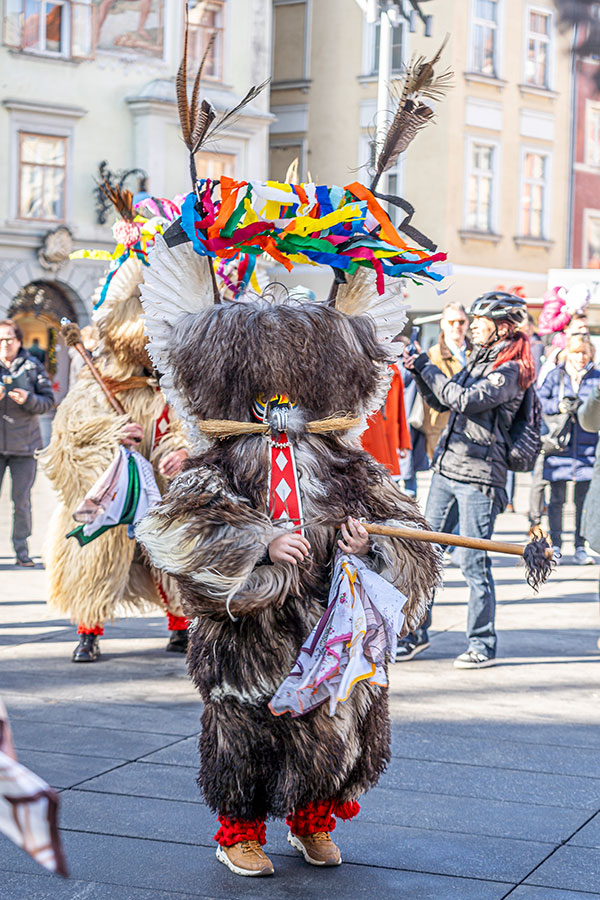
(569, 450)
(25, 393)
(471, 458)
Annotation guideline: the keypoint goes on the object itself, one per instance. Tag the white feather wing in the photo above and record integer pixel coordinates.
(359, 297)
(177, 284)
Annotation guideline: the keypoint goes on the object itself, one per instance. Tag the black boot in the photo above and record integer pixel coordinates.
(88, 649)
(178, 642)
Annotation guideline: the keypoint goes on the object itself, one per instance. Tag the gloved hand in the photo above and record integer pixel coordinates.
(569, 405)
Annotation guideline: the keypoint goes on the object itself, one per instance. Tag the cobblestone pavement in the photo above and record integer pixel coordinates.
(493, 790)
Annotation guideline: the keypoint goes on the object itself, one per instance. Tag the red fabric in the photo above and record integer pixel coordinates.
(347, 810)
(233, 831)
(388, 429)
(176, 623)
(97, 629)
(312, 818)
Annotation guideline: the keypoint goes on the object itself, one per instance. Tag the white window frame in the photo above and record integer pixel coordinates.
(499, 45)
(370, 65)
(471, 142)
(67, 35)
(588, 214)
(399, 170)
(547, 211)
(224, 29)
(546, 11)
(45, 124)
(591, 107)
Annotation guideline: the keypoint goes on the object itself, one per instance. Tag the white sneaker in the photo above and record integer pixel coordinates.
(581, 557)
(557, 555)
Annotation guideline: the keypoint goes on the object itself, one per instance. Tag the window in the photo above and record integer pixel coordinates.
(42, 169)
(485, 37)
(537, 63)
(397, 40)
(480, 186)
(534, 201)
(592, 134)
(592, 240)
(49, 27)
(213, 165)
(207, 19)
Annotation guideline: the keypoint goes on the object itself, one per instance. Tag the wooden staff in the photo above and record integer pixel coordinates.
(72, 335)
(455, 540)
(538, 555)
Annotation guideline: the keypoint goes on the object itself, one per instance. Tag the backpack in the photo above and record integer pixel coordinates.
(523, 437)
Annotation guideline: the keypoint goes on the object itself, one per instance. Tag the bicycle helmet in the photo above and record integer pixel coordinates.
(500, 305)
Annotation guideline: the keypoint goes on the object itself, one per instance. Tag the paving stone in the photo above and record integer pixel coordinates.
(62, 770)
(484, 747)
(133, 717)
(526, 892)
(589, 836)
(571, 868)
(88, 740)
(495, 818)
(147, 780)
(183, 753)
(194, 871)
(494, 784)
(43, 887)
(467, 855)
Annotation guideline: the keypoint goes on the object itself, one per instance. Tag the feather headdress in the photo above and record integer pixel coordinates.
(419, 83)
(198, 118)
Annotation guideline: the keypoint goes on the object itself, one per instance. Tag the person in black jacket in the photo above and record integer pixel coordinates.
(470, 461)
(25, 393)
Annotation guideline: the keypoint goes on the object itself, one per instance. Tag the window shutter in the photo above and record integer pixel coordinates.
(13, 23)
(82, 14)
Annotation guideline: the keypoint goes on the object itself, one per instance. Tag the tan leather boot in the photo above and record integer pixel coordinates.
(317, 849)
(246, 858)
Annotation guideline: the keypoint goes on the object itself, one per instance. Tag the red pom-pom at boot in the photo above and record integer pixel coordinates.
(233, 831)
(97, 629)
(312, 818)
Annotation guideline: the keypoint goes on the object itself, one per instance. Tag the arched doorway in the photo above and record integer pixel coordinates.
(38, 308)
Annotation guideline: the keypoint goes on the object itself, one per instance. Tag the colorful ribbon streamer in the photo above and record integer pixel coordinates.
(300, 223)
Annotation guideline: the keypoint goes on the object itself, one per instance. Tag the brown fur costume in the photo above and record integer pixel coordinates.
(108, 576)
(212, 530)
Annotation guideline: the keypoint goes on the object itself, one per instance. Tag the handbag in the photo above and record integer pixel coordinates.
(558, 436)
(416, 417)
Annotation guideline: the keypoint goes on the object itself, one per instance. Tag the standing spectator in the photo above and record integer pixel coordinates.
(387, 437)
(537, 495)
(36, 350)
(564, 391)
(535, 342)
(25, 392)
(416, 459)
(450, 355)
(471, 459)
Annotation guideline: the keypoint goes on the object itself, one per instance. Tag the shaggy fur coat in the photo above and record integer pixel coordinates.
(212, 531)
(108, 576)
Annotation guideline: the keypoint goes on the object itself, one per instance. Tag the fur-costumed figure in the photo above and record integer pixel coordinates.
(107, 577)
(275, 390)
(255, 589)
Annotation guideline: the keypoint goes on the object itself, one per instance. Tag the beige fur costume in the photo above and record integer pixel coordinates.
(106, 577)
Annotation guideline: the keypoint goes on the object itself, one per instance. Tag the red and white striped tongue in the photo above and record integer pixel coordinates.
(285, 501)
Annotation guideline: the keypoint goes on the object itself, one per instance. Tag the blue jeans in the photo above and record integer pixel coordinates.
(476, 516)
(410, 486)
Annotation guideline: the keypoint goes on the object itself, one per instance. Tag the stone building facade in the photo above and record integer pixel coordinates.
(489, 179)
(86, 81)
